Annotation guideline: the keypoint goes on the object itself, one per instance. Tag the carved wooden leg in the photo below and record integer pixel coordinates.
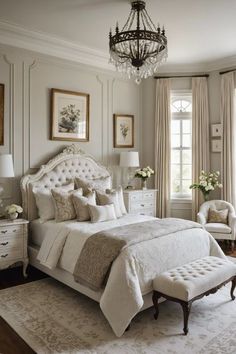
(186, 306)
(25, 265)
(232, 288)
(155, 297)
(232, 246)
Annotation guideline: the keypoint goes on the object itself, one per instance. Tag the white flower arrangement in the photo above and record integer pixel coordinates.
(144, 173)
(208, 181)
(14, 208)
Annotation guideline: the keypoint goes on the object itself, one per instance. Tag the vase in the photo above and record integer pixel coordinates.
(206, 197)
(144, 184)
(13, 216)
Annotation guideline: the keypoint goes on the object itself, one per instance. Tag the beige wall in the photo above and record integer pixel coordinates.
(28, 78)
(181, 208)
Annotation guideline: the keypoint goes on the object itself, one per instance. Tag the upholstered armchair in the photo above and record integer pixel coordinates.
(219, 231)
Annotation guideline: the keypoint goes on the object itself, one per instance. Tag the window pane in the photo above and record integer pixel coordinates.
(187, 171)
(186, 184)
(187, 156)
(186, 140)
(175, 171)
(175, 186)
(175, 126)
(175, 156)
(186, 126)
(175, 140)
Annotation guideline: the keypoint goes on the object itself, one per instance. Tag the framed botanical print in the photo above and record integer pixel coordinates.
(1, 114)
(216, 130)
(69, 115)
(123, 131)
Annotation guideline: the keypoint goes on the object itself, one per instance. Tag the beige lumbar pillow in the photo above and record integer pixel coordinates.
(64, 207)
(100, 213)
(81, 205)
(218, 216)
(119, 190)
(112, 198)
(101, 183)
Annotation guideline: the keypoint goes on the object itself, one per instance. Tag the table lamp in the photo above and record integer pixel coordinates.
(129, 159)
(6, 171)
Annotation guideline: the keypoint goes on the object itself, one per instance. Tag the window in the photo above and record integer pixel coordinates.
(181, 141)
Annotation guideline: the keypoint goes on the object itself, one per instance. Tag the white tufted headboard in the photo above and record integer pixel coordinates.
(71, 163)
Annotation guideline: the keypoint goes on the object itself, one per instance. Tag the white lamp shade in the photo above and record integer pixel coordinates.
(129, 159)
(6, 166)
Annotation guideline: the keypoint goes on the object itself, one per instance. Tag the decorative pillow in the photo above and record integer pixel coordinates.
(101, 183)
(112, 198)
(100, 213)
(119, 190)
(44, 201)
(219, 216)
(81, 205)
(64, 207)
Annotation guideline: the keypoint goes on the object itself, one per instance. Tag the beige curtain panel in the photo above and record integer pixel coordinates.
(228, 155)
(162, 147)
(200, 136)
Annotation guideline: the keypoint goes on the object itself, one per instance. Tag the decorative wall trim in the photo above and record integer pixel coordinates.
(101, 83)
(17, 36)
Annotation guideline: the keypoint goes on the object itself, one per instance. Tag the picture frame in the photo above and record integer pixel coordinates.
(216, 130)
(69, 115)
(123, 130)
(2, 89)
(216, 145)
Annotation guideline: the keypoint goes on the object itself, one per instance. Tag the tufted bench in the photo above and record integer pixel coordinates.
(192, 281)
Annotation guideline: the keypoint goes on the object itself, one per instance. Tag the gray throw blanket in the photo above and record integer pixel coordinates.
(102, 248)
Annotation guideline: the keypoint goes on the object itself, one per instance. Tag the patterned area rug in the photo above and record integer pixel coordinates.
(53, 318)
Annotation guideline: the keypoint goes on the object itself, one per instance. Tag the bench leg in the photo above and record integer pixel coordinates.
(186, 306)
(155, 297)
(232, 288)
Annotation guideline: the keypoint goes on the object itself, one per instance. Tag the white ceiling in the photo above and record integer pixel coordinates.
(198, 32)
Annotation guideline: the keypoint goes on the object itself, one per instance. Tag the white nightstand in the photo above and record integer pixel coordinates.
(13, 243)
(142, 202)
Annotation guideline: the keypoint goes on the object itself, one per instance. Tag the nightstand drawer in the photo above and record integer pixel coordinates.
(10, 243)
(7, 255)
(149, 212)
(149, 195)
(142, 205)
(134, 197)
(11, 230)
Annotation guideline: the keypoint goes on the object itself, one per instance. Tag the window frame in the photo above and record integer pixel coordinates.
(181, 116)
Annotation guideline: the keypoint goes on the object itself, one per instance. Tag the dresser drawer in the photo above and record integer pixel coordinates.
(149, 212)
(148, 195)
(9, 243)
(11, 230)
(140, 205)
(7, 255)
(134, 197)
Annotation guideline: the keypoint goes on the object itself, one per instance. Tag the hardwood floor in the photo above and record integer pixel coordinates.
(10, 342)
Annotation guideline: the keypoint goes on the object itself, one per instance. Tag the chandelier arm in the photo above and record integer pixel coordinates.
(149, 20)
(144, 24)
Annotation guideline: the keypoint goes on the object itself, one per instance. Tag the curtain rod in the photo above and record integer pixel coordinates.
(179, 76)
(227, 71)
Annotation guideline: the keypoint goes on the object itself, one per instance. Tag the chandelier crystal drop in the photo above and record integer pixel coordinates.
(140, 47)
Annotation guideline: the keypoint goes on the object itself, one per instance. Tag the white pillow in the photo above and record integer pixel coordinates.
(111, 198)
(81, 205)
(44, 201)
(64, 207)
(119, 190)
(100, 213)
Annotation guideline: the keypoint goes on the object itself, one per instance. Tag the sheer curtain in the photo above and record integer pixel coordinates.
(200, 136)
(163, 147)
(228, 155)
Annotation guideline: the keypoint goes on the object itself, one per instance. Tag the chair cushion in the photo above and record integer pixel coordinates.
(217, 228)
(193, 279)
(220, 216)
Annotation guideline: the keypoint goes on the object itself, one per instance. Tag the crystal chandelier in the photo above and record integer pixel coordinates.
(140, 47)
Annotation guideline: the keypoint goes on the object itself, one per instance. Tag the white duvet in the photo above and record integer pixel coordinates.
(134, 269)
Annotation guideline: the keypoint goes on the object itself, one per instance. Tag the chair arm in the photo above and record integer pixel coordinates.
(201, 219)
(232, 224)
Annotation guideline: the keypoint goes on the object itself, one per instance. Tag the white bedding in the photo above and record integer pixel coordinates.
(134, 269)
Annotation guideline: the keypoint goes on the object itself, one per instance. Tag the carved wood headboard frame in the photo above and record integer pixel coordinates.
(70, 163)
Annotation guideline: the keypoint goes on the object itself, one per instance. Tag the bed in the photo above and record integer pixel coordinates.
(129, 286)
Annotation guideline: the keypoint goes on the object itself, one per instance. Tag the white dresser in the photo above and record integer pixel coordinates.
(142, 202)
(13, 243)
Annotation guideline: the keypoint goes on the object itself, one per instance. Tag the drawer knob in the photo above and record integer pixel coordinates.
(142, 205)
(4, 231)
(14, 230)
(4, 243)
(4, 255)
